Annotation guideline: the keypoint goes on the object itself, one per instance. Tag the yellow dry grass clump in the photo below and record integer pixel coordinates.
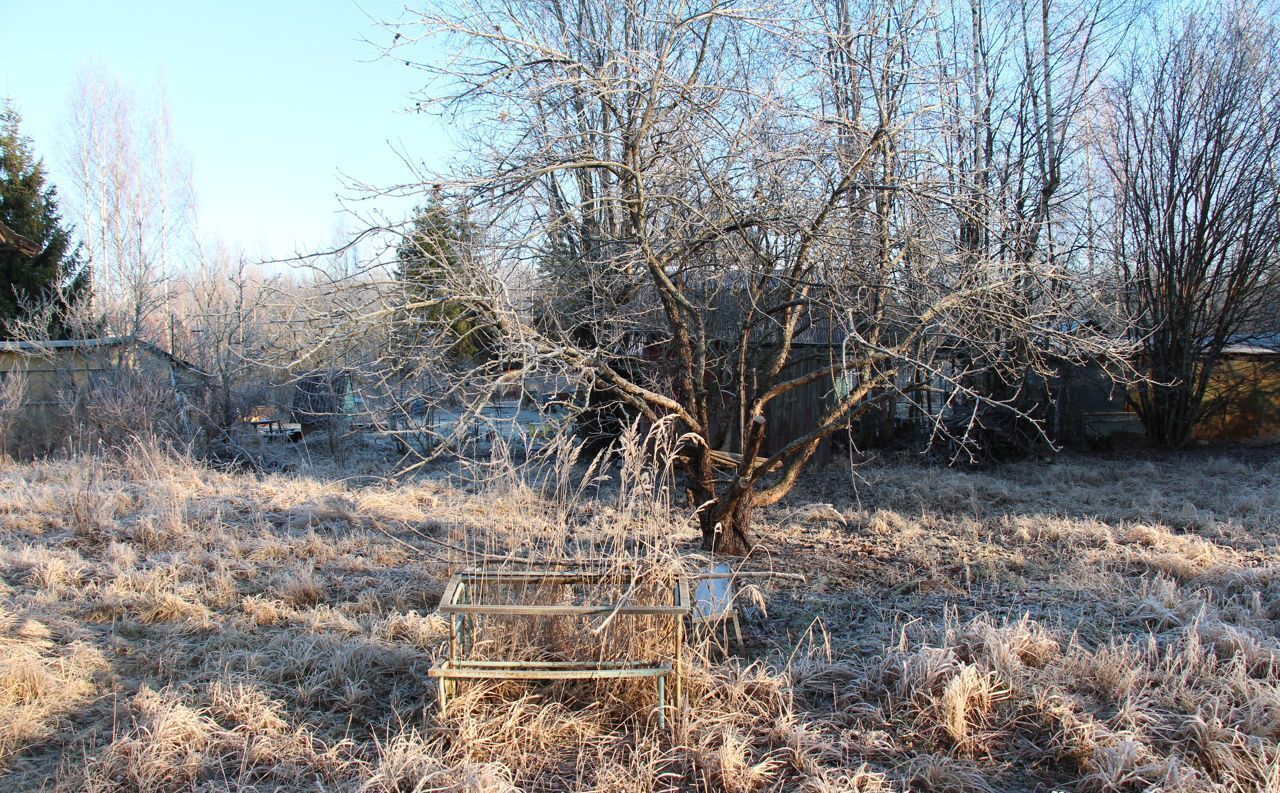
(1082, 625)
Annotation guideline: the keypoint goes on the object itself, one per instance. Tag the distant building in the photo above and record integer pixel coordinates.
(817, 345)
(323, 400)
(1242, 400)
(59, 375)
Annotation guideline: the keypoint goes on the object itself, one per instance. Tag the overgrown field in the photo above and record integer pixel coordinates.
(1078, 625)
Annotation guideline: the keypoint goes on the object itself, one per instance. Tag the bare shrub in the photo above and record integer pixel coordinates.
(126, 407)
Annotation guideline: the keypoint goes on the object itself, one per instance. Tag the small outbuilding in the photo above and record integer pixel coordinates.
(60, 377)
(323, 400)
(1242, 400)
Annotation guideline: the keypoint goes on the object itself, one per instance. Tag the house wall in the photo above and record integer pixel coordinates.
(1088, 405)
(60, 372)
(791, 415)
(1242, 399)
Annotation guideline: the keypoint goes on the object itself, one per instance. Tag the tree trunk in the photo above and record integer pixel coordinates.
(1170, 416)
(726, 525)
(726, 517)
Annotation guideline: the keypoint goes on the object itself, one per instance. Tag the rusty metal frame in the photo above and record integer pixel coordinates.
(457, 602)
(465, 580)
(446, 671)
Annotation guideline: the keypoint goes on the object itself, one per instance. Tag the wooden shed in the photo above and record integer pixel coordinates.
(57, 375)
(817, 344)
(1242, 400)
(323, 400)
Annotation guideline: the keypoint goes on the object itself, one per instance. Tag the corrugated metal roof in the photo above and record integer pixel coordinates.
(1253, 344)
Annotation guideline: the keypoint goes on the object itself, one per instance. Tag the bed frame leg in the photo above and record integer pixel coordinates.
(662, 701)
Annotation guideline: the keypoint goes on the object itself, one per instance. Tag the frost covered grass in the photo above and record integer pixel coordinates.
(1088, 625)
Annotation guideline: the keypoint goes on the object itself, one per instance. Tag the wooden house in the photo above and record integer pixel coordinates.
(323, 400)
(818, 343)
(1241, 401)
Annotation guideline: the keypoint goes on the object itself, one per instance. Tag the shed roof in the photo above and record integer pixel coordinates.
(1249, 349)
(51, 345)
(11, 240)
(62, 344)
(1253, 344)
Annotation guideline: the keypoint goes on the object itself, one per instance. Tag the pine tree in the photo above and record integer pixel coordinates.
(55, 277)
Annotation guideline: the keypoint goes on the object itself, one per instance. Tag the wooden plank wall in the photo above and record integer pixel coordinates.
(797, 412)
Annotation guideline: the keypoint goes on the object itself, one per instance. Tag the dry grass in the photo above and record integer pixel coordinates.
(1086, 625)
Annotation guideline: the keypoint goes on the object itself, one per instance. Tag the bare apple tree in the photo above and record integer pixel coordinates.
(697, 211)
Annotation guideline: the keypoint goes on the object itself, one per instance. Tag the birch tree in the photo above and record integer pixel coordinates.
(131, 193)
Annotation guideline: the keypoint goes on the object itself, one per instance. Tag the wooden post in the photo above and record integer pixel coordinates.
(453, 636)
(682, 592)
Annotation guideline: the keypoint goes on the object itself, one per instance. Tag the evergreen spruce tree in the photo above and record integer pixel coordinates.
(435, 245)
(55, 276)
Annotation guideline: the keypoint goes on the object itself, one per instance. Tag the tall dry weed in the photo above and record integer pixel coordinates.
(170, 627)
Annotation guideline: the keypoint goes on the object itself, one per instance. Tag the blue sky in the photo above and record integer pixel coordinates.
(272, 100)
